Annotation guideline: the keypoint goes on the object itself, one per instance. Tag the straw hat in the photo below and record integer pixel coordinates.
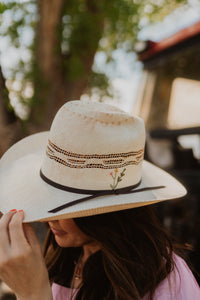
(90, 162)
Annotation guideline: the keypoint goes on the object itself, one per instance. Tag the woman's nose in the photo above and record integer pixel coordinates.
(52, 222)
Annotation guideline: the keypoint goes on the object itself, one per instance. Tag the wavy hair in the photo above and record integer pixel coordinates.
(136, 255)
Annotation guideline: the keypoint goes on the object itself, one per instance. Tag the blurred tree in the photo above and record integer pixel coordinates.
(60, 39)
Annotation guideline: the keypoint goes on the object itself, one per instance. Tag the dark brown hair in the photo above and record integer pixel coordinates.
(136, 255)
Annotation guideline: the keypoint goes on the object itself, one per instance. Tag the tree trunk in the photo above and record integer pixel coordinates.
(49, 77)
(10, 127)
(54, 85)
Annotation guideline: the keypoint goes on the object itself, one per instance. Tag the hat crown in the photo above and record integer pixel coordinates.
(99, 112)
(88, 141)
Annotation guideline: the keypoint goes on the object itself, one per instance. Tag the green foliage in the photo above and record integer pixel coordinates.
(19, 20)
(80, 35)
(87, 27)
(21, 16)
(3, 7)
(156, 10)
(121, 20)
(98, 83)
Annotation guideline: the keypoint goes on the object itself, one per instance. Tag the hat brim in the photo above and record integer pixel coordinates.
(22, 187)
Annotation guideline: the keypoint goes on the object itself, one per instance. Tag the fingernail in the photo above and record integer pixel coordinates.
(21, 210)
(13, 209)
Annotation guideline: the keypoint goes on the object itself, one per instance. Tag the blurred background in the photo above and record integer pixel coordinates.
(142, 56)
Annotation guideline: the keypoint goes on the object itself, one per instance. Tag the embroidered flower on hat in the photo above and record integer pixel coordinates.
(116, 179)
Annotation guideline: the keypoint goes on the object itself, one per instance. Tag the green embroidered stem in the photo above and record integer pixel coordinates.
(116, 179)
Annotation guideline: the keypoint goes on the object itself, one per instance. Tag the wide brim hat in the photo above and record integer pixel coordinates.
(90, 162)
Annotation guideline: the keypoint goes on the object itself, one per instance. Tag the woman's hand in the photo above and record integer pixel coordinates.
(22, 265)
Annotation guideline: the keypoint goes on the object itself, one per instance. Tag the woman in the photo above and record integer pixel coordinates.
(92, 187)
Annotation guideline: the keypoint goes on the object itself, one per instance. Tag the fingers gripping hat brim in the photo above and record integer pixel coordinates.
(22, 187)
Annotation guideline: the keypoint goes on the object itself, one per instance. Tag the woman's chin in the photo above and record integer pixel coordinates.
(64, 243)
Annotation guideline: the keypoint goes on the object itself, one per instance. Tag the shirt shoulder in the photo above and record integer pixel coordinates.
(179, 285)
(60, 292)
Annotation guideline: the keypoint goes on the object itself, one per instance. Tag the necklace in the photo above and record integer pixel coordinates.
(77, 271)
(76, 276)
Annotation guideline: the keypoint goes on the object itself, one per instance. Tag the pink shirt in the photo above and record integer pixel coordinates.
(181, 286)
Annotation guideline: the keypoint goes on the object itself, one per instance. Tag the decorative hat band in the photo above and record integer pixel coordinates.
(112, 161)
(102, 161)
